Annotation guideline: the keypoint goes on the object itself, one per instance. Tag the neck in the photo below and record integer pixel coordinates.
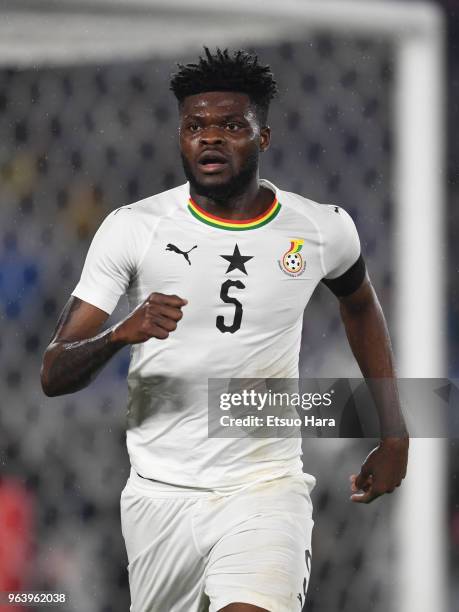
(252, 202)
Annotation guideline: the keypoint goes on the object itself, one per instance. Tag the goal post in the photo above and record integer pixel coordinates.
(420, 305)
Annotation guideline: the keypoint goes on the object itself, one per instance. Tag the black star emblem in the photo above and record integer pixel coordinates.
(237, 260)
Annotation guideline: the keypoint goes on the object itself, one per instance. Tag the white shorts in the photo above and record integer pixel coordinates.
(196, 551)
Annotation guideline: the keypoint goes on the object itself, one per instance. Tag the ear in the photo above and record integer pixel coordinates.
(265, 138)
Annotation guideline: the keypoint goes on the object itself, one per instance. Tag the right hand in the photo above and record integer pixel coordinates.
(156, 317)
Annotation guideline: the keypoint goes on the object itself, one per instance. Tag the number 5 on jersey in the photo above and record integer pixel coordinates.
(238, 312)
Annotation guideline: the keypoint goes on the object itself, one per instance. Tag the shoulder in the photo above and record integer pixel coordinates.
(328, 219)
(129, 229)
(148, 211)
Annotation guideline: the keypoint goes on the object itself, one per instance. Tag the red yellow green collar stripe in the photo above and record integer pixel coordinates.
(233, 224)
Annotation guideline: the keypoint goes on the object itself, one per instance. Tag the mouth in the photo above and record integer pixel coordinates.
(212, 162)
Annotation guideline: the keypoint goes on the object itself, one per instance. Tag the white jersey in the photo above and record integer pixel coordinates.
(247, 284)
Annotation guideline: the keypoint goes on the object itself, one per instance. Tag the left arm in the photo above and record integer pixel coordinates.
(366, 330)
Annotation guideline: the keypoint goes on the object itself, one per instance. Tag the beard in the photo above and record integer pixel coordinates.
(223, 192)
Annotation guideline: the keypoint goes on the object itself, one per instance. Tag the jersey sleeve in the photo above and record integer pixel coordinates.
(345, 268)
(341, 244)
(111, 261)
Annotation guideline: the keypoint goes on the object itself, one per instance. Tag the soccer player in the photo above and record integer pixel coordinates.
(218, 272)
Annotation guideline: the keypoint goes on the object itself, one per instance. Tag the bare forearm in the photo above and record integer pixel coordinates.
(369, 339)
(77, 354)
(71, 366)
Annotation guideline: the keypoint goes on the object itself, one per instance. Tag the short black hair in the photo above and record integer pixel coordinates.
(222, 71)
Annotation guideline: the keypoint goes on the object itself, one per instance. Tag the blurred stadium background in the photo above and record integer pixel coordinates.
(87, 124)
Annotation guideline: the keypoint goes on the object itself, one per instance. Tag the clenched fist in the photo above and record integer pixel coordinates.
(156, 317)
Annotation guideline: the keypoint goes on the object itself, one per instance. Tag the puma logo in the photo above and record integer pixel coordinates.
(174, 249)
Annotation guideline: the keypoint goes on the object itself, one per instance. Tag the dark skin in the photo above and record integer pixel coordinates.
(224, 127)
(366, 330)
(78, 351)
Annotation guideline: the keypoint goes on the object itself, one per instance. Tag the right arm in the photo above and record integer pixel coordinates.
(78, 350)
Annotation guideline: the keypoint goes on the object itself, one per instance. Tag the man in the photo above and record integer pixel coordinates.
(218, 272)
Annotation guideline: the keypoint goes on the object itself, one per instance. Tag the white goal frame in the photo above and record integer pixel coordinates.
(419, 261)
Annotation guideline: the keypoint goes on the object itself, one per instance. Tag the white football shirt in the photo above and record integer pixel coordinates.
(247, 284)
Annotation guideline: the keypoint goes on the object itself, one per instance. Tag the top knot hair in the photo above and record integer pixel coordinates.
(239, 72)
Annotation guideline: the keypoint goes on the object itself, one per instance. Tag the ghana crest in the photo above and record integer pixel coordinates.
(292, 262)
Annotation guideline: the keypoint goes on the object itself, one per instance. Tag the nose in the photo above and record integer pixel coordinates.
(211, 136)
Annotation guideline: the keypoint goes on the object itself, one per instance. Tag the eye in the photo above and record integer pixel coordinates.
(193, 127)
(232, 126)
